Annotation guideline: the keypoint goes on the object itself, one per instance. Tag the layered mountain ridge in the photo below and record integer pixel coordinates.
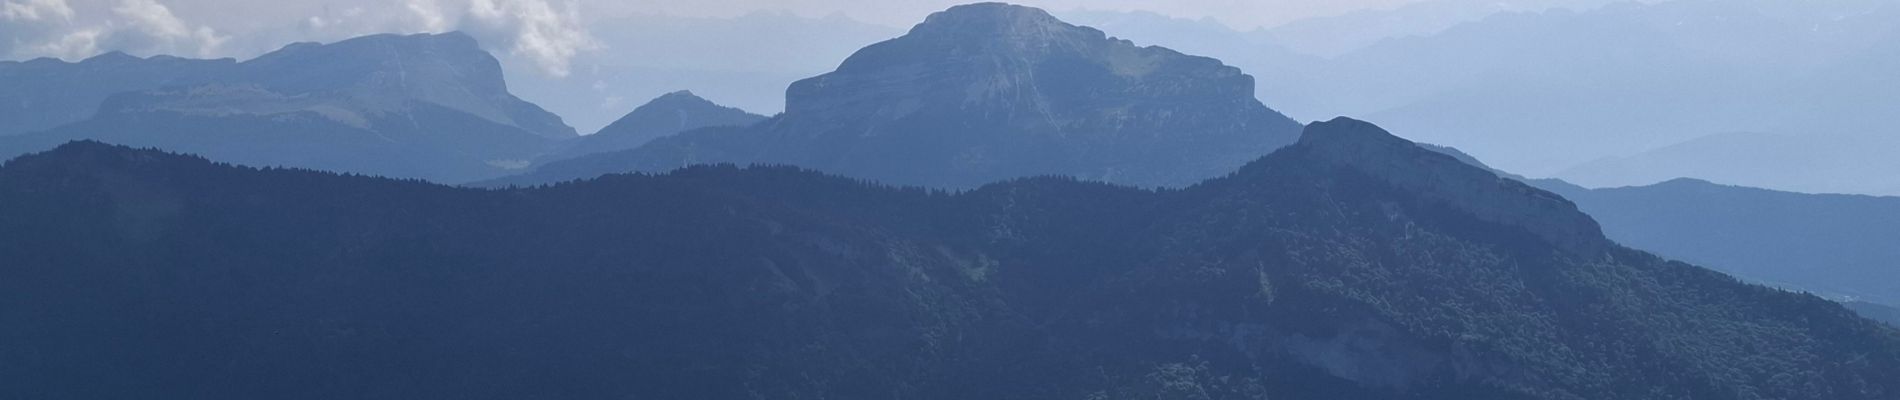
(1022, 209)
(447, 69)
(44, 93)
(1321, 270)
(1834, 245)
(985, 92)
(429, 106)
(664, 116)
(1367, 148)
(450, 70)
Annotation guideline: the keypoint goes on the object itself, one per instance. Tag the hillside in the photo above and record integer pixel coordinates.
(1349, 265)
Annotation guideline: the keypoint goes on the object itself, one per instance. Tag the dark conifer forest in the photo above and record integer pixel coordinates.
(1334, 268)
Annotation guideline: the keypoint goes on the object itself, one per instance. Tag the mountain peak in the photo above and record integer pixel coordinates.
(441, 42)
(664, 116)
(111, 57)
(987, 92)
(87, 146)
(1345, 131)
(1362, 146)
(89, 156)
(683, 97)
(991, 18)
(999, 29)
(447, 69)
(1687, 182)
(673, 113)
(452, 39)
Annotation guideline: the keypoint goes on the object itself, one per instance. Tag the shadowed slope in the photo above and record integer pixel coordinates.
(1328, 269)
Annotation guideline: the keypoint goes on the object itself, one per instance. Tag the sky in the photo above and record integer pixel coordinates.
(546, 33)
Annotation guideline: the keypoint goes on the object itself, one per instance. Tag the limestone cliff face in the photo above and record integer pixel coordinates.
(994, 91)
(450, 70)
(1022, 67)
(987, 92)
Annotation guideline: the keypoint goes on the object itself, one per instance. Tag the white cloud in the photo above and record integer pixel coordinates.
(544, 34)
(148, 26)
(56, 28)
(532, 29)
(35, 10)
(429, 14)
(547, 35)
(72, 45)
(26, 26)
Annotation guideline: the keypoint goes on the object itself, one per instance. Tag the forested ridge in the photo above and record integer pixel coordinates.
(1339, 267)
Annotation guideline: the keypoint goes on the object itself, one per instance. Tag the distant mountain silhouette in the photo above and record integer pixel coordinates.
(663, 116)
(450, 70)
(1887, 314)
(987, 92)
(1350, 265)
(744, 61)
(417, 106)
(1840, 246)
(1332, 36)
(1539, 91)
(45, 93)
(1821, 163)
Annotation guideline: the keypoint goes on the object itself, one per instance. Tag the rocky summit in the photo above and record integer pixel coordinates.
(449, 70)
(986, 92)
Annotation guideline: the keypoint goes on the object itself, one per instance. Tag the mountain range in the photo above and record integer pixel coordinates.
(1351, 264)
(1539, 92)
(1889, 315)
(45, 93)
(416, 106)
(664, 116)
(436, 107)
(745, 61)
(1546, 86)
(1830, 245)
(1834, 163)
(996, 204)
(987, 92)
(1835, 245)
